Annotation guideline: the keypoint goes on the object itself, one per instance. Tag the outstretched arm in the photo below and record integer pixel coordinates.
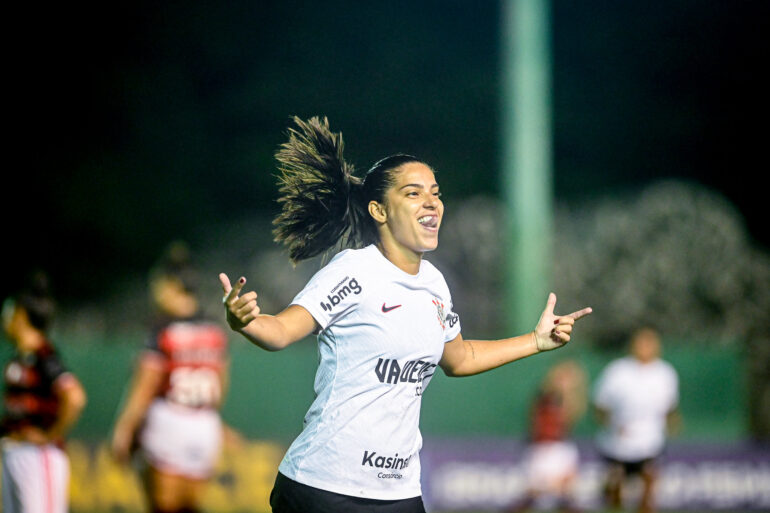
(270, 332)
(467, 357)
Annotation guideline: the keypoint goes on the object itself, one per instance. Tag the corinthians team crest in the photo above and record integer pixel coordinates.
(440, 311)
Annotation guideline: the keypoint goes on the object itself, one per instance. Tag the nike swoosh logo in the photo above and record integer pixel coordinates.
(386, 309)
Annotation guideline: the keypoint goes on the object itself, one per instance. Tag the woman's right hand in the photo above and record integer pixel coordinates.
(241, 310)
(270, 332)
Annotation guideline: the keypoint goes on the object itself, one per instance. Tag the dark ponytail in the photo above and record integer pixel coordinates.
(323, 204)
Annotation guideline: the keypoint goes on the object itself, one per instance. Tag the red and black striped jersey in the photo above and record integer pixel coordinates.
(30, 397)
(193, 354)
(549, 419)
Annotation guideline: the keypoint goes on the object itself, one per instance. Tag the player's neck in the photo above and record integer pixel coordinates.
(181, 307)
(400, 256)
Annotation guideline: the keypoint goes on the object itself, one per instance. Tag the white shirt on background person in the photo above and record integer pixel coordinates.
(638, 398)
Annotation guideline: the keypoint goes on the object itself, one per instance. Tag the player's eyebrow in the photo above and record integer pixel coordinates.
(418, 185)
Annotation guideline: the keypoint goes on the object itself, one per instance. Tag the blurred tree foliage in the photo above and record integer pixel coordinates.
(138, 122)
(675, 255)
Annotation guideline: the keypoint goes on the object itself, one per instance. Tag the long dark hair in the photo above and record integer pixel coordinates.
(36, 299)
(176, 263)
(324, 204)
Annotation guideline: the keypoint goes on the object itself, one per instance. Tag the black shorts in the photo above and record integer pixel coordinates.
(632, 467)
(289, 496)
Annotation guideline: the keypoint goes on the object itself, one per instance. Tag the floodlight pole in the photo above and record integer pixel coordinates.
(526, 158)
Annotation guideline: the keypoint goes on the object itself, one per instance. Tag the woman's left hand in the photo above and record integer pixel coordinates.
(553, 331)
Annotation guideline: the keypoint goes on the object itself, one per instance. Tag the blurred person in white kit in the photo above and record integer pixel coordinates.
(635, 400)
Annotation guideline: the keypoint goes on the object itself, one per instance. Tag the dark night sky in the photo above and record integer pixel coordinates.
(134, 124)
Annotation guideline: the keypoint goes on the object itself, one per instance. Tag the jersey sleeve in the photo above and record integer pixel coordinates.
(152, 341)
(152, 353)
(333, 292)
(451, 323)
(52, 367)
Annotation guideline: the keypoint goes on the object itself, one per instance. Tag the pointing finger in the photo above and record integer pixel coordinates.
(581, 313)
(238, 287)
(235, 290)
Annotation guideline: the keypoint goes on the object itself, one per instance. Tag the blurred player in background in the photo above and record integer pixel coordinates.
(552, 459)
(42, 401)
(172, 410)
(636, 401)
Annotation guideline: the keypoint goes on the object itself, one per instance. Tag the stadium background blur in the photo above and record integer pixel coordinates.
(139, 123)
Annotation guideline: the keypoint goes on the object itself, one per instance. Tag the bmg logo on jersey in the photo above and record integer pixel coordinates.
(340, 292)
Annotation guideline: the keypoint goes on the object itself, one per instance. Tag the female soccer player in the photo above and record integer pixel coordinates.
(42, 402)
(172, 409)
(551, 460)
(384, 320)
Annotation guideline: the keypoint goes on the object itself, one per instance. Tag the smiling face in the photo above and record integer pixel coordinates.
(409, 220)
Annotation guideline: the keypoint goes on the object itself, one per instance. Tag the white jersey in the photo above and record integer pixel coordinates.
(382, 336)
(638, 397)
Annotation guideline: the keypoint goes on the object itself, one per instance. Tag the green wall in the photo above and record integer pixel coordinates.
(270, 392)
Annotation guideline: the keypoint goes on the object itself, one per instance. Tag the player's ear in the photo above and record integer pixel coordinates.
(377, 211)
